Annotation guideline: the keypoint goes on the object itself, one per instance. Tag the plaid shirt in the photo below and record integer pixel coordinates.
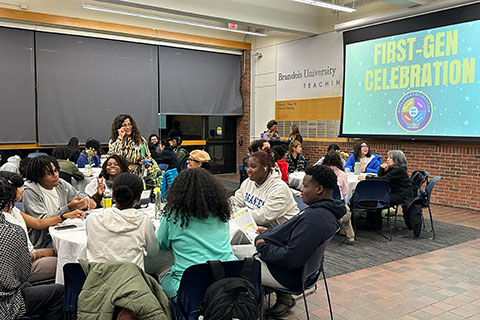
(15, 266)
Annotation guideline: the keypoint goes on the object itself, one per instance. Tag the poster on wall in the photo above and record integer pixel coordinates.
(309, 86)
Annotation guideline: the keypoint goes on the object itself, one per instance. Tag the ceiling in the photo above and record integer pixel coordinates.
(279, 19)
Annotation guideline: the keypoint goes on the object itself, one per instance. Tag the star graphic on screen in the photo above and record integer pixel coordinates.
(358, 123)
(360, 63)
(467, 98)
(390, 101)
(359, 103)
(359, 84)
(469, 49)
(465, 123)
(459, 113)
(389, 123)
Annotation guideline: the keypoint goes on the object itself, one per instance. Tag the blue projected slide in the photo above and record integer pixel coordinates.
(423, 83)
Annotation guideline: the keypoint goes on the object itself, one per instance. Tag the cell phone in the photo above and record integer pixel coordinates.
(69, 226)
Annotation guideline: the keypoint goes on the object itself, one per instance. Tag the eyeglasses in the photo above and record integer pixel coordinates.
(124, 125)
(364, 146)
(190, 159)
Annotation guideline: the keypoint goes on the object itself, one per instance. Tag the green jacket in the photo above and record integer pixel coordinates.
(120, 284)
(70, 168)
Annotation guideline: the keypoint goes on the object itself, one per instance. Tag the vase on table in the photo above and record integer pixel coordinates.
(88, 170)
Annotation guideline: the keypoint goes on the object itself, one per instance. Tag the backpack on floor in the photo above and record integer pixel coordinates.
(232, 297)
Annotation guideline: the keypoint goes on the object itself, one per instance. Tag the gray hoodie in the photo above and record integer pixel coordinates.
(34, 205)
(12, 165)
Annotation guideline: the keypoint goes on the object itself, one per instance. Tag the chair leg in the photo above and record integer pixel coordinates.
(431, 223)
(328, 294)
(305, 301)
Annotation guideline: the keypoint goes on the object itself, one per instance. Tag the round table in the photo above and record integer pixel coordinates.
(80, 185)
(71, 245)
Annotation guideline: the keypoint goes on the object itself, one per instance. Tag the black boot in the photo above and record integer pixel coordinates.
(283, 303)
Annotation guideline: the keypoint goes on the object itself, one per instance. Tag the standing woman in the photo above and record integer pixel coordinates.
(295, 134)
(369, 162)
(127, 142)
(295, 159)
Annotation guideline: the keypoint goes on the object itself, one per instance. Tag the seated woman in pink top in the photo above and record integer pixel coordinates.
(333, 160)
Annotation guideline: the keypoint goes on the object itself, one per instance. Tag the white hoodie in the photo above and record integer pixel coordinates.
(120, 235)
(12, 164)
(271, 203)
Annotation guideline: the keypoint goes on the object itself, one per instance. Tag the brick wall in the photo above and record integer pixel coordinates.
(243, 122)
(457, 163)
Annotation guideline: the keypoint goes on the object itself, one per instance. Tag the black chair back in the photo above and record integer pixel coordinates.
(74, 278)
(197, 278)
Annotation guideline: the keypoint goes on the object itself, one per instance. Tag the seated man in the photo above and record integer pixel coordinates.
(47, 195)
(284, 249)
(95, 159)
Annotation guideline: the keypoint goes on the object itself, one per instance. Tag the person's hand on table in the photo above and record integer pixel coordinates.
(78, 202)
(91, 204)
(75, 214)
(362, 177)
(260, 229)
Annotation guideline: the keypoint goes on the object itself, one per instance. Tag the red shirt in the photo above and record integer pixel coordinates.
(283, 165)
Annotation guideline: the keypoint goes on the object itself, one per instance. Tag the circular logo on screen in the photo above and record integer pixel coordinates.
(414, 111)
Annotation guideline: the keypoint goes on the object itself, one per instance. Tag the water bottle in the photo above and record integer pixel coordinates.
(357, 168)
(107, 197)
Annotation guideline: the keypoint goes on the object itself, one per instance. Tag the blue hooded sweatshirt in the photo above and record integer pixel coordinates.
(289, 245)
(372, 167)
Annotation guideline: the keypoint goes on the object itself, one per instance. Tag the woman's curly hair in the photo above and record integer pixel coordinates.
(196, 193)
(8, 194)
(122, 163)
(117, 124)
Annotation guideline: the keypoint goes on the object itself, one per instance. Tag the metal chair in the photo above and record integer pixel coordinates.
(426, 205)
(372, 194)
(311, 272)
(197, 278)
(74, 277)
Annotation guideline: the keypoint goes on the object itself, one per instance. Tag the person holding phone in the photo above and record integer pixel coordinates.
(47, 195)
(44, 261)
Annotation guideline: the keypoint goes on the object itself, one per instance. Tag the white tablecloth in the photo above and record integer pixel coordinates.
(71, 245)
(353, 181)
(80, 185)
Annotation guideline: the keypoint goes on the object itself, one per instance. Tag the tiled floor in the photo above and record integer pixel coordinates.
(442, 284)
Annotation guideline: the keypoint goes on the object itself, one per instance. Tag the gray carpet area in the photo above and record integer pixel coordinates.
(371, 249)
